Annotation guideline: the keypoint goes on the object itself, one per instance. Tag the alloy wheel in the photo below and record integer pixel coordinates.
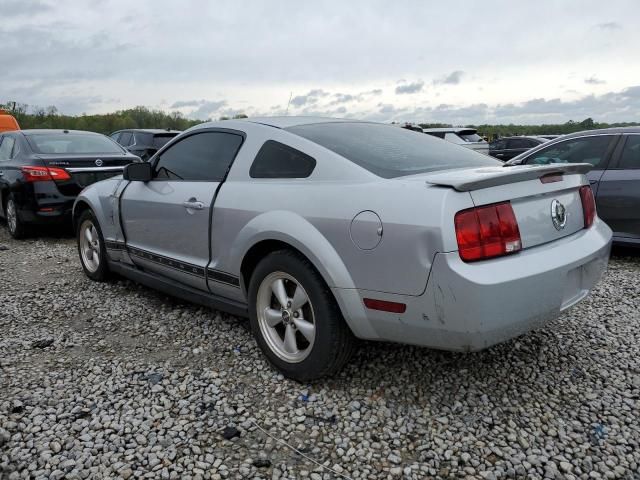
(286, 317)
(12, 216)
(89, 246)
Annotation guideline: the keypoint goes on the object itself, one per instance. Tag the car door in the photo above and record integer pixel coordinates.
(9, 149)
(497, 149)
(593, 149)
(618, 197)
(166, 221)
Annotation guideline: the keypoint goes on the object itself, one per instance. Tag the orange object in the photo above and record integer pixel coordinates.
(7, 122)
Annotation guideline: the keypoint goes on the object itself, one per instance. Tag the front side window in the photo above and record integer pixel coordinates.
(576, 150)
(81, 143)
(630, 159)
(204, 156)
(453, 138)
(275, 160)
(389, 151)
(126, 138)
(470, 136)
(6, 148)
(160, 141)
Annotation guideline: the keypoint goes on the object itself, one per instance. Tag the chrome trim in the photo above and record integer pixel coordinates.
(95, 169)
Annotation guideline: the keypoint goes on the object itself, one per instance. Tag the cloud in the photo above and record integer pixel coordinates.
(187, 103)
(451, 79)
(16, 8)
(410, 88)
(609, 26)
(311, 97)
(593, 80)
(208, 109)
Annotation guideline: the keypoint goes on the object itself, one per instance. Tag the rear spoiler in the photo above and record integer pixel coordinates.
(464, 180)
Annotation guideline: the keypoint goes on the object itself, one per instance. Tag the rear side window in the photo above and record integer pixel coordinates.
(591, 150)
(389, 151)
(519, 143)
(630, 159)
(142, 139)
(470, 136)
(203, 156)
(436, 134)
(275, 160)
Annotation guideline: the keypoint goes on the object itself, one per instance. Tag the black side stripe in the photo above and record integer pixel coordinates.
(183, 267)
(223, 277)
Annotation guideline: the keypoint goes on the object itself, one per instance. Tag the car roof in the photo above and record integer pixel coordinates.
(449, 129)
(148, 130)
(38, 131)
(532, 137)
(286, 122)
(603, 131)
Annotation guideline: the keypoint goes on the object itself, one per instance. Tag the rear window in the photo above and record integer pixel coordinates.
(160, 141)
(72, 143)
(390, 151)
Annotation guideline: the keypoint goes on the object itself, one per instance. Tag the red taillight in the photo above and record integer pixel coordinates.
(588, 205)
(42, 174)
(385, 306)
(487, 232)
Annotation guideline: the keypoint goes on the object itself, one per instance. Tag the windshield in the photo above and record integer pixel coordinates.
(72, 143)
(390, 151)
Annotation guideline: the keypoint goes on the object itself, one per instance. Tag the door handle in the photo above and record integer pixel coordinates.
(593, 182)
(193, 204)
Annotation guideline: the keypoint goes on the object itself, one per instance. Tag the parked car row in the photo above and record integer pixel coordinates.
(322, 231)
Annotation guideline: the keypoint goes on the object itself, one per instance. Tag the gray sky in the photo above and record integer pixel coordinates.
(455, 62)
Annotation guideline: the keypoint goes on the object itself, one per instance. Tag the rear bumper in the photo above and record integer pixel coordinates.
(471, 306)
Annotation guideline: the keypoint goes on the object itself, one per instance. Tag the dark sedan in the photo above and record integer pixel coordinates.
(615, 178)
(144, 142)
(42, 172)
(508, 147)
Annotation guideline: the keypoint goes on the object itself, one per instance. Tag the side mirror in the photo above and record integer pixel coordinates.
(138, 172)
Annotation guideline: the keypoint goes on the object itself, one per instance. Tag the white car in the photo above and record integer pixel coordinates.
(466, 137)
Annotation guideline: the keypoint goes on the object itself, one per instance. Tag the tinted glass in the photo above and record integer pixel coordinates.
(498, 144)
(630, 158)
(6, 147)
(142, 139)
(203, 156)
(577, 150)
(161, 140)
(126, 139)
(275, 160)
(470, 137)
(518, 143)
(390, 151)
(436, 134)
(72, 143)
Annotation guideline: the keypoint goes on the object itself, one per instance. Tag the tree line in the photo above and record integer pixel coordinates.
(138, 117)
(143, 117)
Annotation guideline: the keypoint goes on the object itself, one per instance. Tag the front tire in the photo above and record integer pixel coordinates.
(91, 247)
(17, 229)
(295, 318)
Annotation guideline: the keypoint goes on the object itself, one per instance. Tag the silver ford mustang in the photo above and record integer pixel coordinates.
(323, 230)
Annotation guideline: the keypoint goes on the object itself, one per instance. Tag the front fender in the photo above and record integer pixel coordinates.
(102, 199)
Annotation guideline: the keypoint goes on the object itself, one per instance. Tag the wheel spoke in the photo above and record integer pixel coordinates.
(307, 329)
(299, 298)
(87, 235)
(290, 344)
(273, 317)
(94, 234)
(280, 292)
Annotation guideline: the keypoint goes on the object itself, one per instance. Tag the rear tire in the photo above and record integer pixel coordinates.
(295, 318)
(17, 229)
(91, 247)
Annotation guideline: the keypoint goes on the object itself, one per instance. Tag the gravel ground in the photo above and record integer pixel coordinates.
(117, 381)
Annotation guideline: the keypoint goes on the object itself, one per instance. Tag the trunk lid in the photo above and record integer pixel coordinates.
(86, 169)
(546, 201)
